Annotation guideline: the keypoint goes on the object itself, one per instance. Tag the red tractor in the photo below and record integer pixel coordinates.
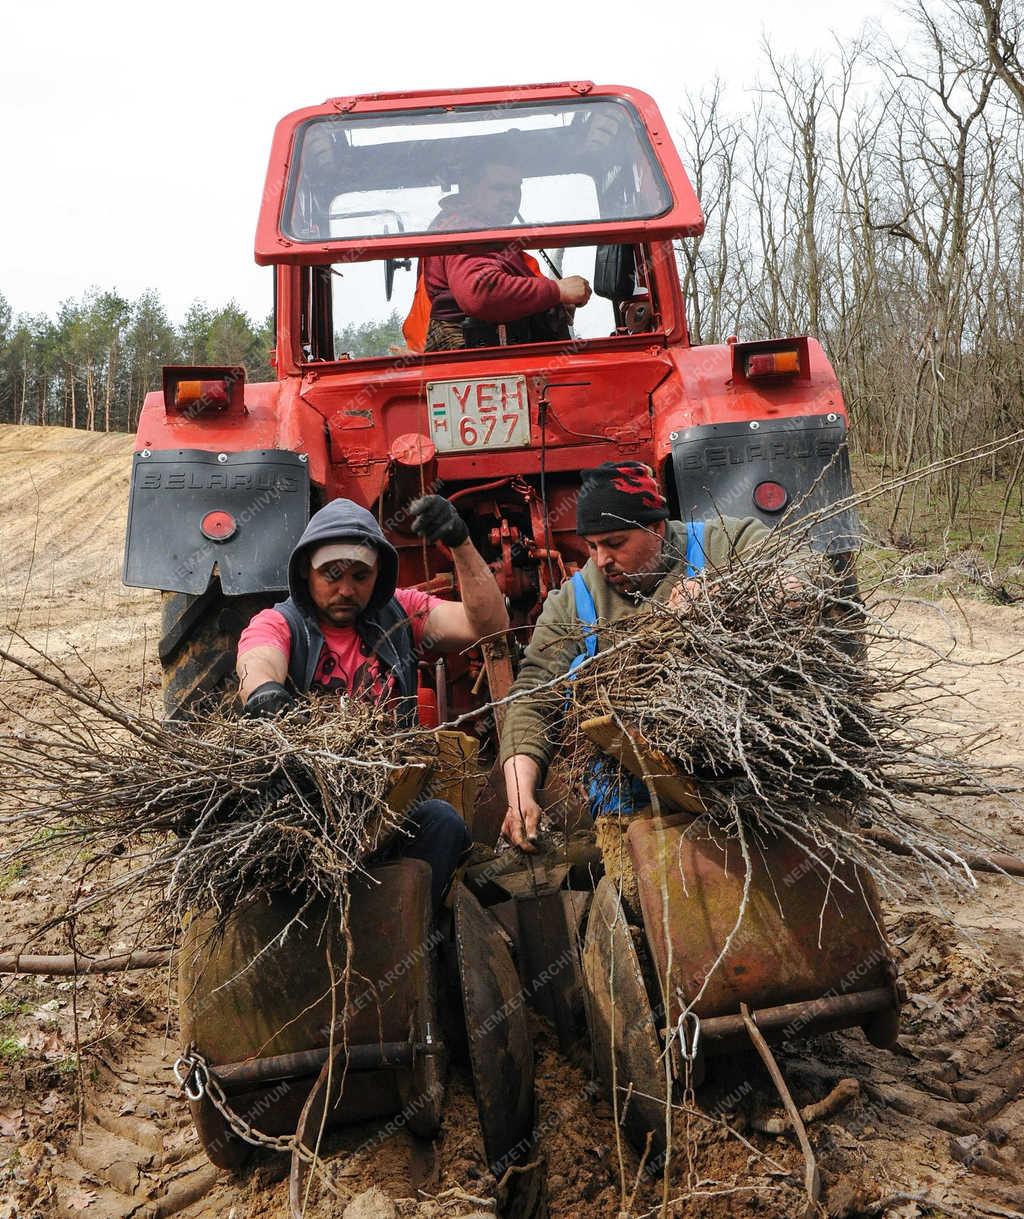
(226, 473)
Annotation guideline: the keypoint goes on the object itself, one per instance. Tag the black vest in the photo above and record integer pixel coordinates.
(547, 327)
(386, 631)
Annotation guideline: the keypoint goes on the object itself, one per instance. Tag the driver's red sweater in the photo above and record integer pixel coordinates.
(498, 286)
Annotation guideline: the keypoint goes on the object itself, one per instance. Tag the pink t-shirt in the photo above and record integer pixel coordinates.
(345, 666)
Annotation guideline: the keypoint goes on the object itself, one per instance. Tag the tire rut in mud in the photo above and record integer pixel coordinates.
(137, 1156)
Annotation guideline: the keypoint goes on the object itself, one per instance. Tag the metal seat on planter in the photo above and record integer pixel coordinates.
(256, 1007)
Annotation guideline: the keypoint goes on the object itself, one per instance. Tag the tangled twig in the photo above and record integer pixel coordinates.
(208, 812)
(800, 712)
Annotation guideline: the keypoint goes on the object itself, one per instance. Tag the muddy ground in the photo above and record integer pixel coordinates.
(91, 1123)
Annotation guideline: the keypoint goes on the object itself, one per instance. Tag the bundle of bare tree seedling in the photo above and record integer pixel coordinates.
(799, 710)
(205, 813)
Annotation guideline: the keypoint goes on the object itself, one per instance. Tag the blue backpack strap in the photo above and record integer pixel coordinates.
(610, 789)
(696, 558)
(586, 613)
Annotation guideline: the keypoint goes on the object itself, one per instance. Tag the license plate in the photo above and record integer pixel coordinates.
(478, 414)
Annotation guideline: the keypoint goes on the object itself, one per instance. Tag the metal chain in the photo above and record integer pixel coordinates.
(196, 1081)
(688, 1053)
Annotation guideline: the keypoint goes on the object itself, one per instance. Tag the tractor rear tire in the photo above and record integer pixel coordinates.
(198, 643)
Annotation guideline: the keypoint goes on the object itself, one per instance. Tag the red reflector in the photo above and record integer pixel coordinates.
(773, 364)
(413, 449)
(218, 526)
(771, 497)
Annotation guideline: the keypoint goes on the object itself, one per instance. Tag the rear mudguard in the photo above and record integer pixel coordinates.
(264, 492)
(718, 466)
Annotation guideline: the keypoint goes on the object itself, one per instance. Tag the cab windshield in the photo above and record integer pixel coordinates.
(551, 163)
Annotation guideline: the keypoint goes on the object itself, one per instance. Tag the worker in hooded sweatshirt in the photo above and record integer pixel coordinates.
(347, 630)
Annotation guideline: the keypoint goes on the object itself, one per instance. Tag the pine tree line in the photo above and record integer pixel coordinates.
(92, 365)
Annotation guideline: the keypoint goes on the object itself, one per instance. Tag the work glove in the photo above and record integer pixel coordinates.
(436, 520)
(268, 701)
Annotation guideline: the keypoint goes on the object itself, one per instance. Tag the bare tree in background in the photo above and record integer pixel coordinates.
(706, 263)
(874, 200)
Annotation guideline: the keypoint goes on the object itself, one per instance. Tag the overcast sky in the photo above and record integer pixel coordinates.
(135, 137)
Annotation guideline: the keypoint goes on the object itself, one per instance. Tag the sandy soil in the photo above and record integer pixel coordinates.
(938, 1126)
(63, 507)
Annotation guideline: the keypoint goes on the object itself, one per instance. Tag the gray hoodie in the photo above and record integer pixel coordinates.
(343, 521)
(383, 626)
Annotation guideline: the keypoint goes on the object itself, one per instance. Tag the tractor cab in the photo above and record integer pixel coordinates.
(360, 190)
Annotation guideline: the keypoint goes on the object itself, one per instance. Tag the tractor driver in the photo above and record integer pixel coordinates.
(347, 630)
(635, 552)
(469, 299)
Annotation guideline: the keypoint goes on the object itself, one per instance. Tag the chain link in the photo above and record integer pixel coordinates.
(196, 1081)
(688, 1053)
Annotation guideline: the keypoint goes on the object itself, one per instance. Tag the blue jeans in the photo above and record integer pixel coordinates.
(439, 837)
(611, 789)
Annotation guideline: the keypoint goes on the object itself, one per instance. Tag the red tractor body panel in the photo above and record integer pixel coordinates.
(275, 417)
(703, 390)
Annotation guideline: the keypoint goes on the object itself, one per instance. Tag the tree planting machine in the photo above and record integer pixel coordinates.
(225, 476)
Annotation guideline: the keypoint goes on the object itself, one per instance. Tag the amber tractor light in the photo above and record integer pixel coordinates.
(218, 526)
(198, 390)
(770, 496)
(773, 364)
(198, 396)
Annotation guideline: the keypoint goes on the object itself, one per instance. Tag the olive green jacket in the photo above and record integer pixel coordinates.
(529, 726)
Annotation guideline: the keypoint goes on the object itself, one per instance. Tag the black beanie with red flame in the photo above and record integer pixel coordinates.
(619, 495)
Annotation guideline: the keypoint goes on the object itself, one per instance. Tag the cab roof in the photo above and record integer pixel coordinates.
(369, 176)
